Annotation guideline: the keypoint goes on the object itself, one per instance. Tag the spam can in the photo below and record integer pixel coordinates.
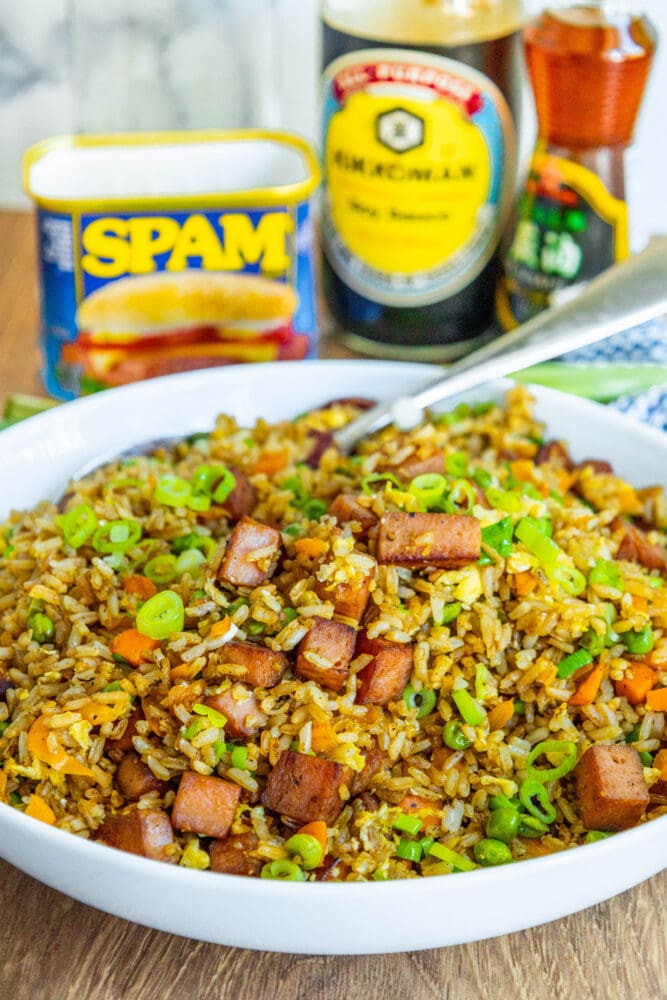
(166, 252)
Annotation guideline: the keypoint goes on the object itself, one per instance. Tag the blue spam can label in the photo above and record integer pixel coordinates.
(137, 284)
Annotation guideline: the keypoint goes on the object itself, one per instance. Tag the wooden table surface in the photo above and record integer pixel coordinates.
(54, 948)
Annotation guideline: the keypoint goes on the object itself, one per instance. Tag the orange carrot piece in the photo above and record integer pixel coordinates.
(184, 671)
(270, 462)
(39, 809)
(139, 585)
(59, 760)
(500, 715)
(133, 646)
(417, 805)
(637, 683)
(522, 469)
(318, 830)
(588, 687)
(3, 786)
(524, 582)
(656, 701)
(322, 737)
(310, 547)
(660, 761)
(639, 603)
(98, 714)
(220, 628)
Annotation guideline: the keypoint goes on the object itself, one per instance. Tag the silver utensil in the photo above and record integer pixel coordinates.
(624, 296)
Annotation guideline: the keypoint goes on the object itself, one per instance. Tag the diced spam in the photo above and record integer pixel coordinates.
(241, 501)
(346, 508)
(349, 599)
(449, 541)
(124, 742)
(555, 452)
(134, 778)
(261, 666)
(241, 709)
(635, 547)
(305, 788)
(384, 679)
(376, 760)
(146, 832)
(413, 467)
(205, 805)
(251, 554)
(611, 789)
(328, 641)
(230, 856)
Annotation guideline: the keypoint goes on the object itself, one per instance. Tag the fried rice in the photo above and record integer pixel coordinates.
(547, 661)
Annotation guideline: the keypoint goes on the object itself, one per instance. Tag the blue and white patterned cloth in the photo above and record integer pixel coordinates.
(646, 345)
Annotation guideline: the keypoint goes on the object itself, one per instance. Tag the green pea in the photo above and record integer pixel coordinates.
(424, 701)
(531, 826)
(490, 852)
(307, 848)
(283, 871)
(594, 835)
(453, 737)
(503, 824)
(42, 627)
(639, 642)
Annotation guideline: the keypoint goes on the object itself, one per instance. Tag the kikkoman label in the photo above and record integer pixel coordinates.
(419, 156)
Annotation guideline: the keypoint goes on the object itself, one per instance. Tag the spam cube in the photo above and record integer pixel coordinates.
(241, 709)
(205, 805)
(248, 661)
(146, 832)
(384, 679)
(325, 652)
(230, 856)
(134, 778)
(448, 541)
(305, 788)
(251, 554)
(346, 508)
(611, 789)
(350, 597)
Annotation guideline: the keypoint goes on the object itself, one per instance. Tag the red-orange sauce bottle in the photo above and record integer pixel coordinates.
(588, 66)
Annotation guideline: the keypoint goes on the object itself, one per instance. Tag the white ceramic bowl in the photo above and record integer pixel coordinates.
(350, 918)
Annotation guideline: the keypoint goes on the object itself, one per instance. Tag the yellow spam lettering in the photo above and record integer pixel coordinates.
(114, 247)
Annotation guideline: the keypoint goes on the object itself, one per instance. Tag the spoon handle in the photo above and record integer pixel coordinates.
(622, 297)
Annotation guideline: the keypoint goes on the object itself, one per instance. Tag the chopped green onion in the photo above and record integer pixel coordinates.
(43, 629)
(570, 664)
(519, 707)
(3, 726)
(453, 736)
(654, 582)
(503, 500)
(569, 578)
(314, 509)
(308, 848)
(424, 700)
(593, 642)
(379, 477)
(407, 824)
(161, 615)
(283, 871)
(450, 612)
(638, 642)
(409, 850)
(633, 735)
(214, 717)
(172, 491)
(491, 852)
(461, 498)
(198, 502)
(498, 537)
(482, 478)
(292, 529)
(531, 826)
(646, 758)
(541, 524)
(117, 537)
(470, 710)
(502, 802)
(482, 678)
(213, 481)
(594, 835)
(240, 758)
(569, 751)
(458, 861)
(194, 729)
(426, 843)
(161, 569)
(78, 524)
(380, 875)
(429, 488)
(190, 562)
(240, 602)
(290, 615)
(114, 686)
(460, 412)
(255, 628)
(192, 540)
(606, 573)
(535, 800)
(456, 464)
(219, 748)
(536, 542)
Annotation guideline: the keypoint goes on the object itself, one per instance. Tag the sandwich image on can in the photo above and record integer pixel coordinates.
(140, 327)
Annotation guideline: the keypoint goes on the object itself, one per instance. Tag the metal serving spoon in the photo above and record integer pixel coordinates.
(624, 296)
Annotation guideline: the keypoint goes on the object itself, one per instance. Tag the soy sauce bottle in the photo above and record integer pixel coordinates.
(420, 101)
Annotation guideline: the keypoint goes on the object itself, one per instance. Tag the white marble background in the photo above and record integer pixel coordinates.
(105, 65)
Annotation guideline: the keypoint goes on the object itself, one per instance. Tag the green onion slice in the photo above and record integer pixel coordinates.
(570, 664)
(214, 717)
(424, 700)
(78, 524)
(565, 747)
(116, 537)
(172, 491)
(471, 711)
(283, 871)
(409, 850)
(456, 464)
(306, 847)
(161, 615)
(161, 569)
(536, 542)
(535, 800)
(498, 537)
(606, 573)
(569, 578)
(461, 498)
(407, 824)
(379, 477)
(190, 562)
(457, 861)
(503, 500)
(429, 488)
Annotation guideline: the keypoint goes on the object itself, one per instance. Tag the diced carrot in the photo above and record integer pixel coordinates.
(636, 684)
(318, 830)
(133, 646)
(660, 761)
(220, 628)
(522, 469)
(322, 737)
(140, 585)
(544, 489)
(628, 500)
(3, 786)
(524, 582)
(500, 715)
(58, 759)
(39, 809)
(184, 671)
(656, 701)
(565, 479)
(639, 603)
(588, 687)
(98, 714)
(310, 547)
(271, 462)
(418, 806)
